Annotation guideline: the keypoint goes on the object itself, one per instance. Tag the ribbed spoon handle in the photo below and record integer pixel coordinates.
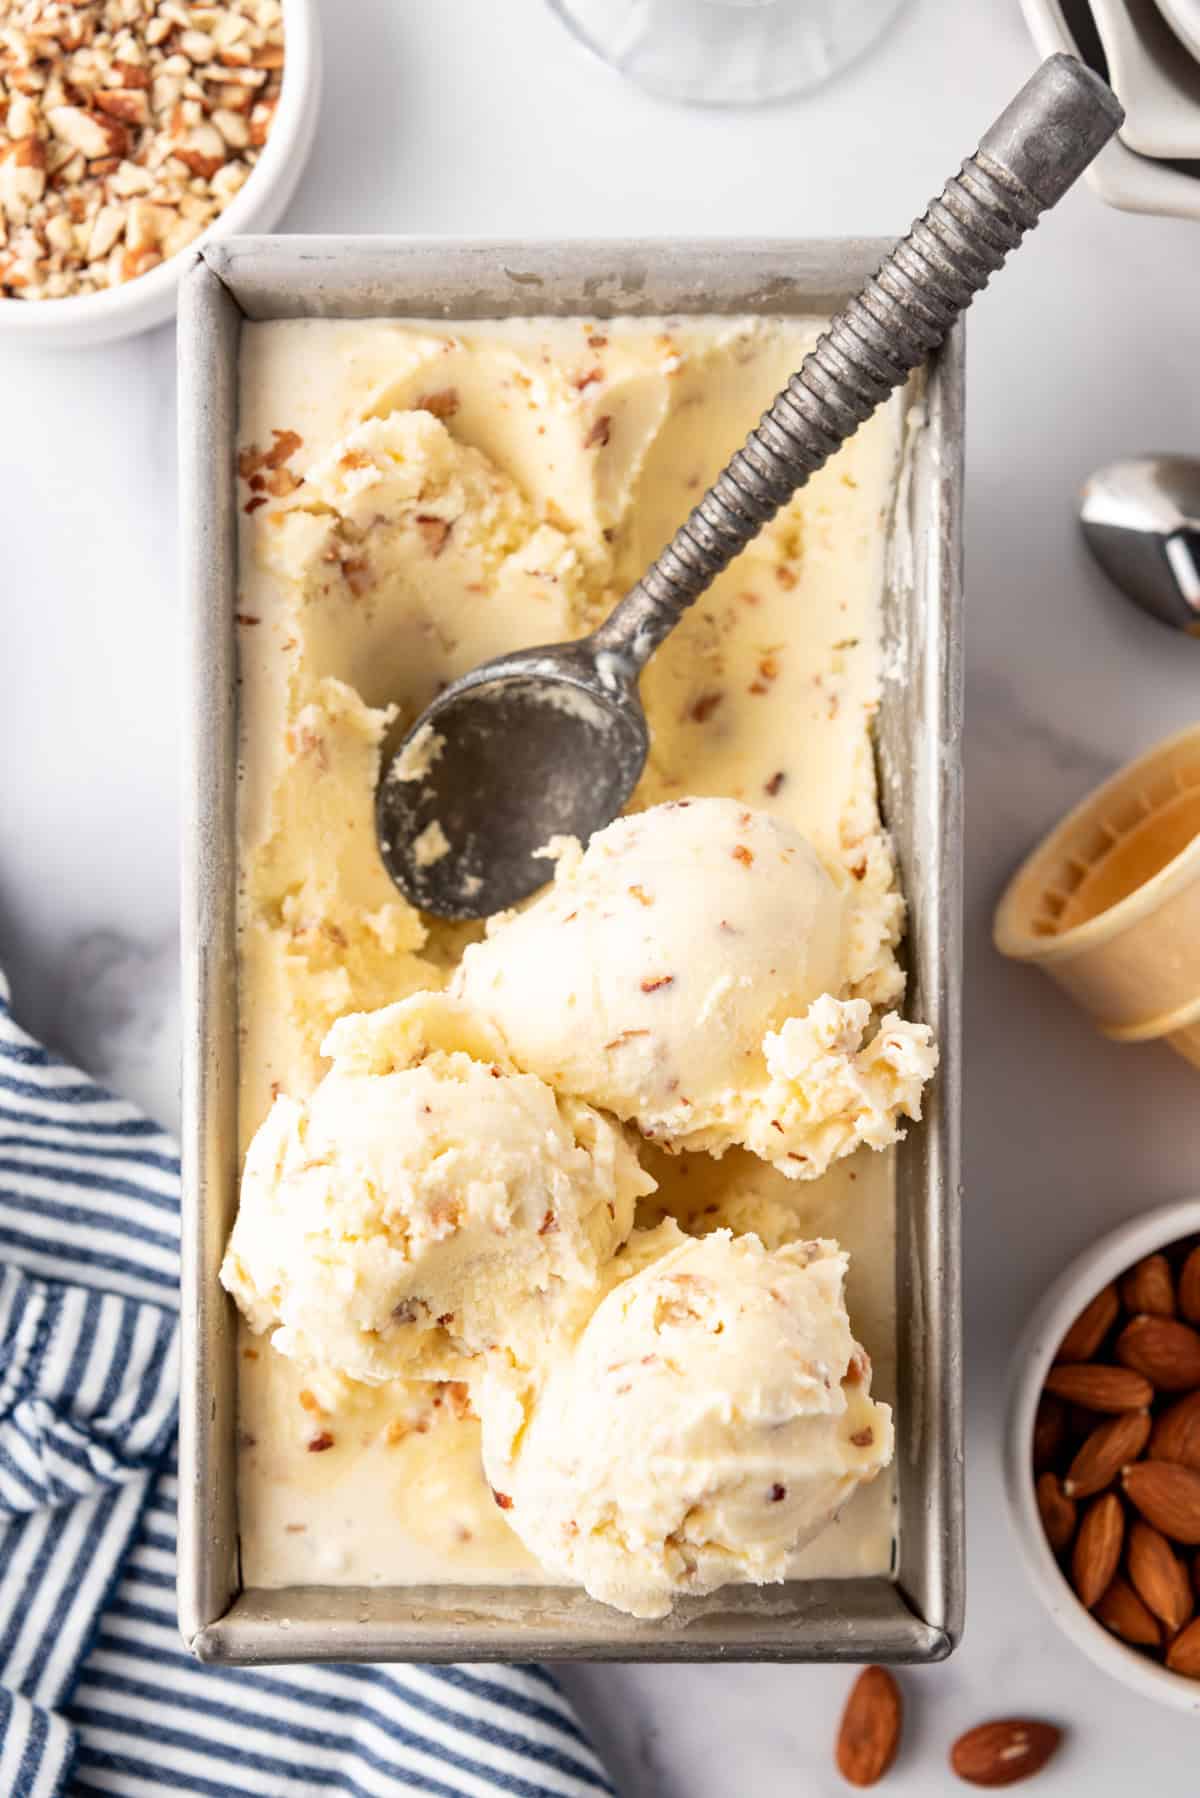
(1040, 144)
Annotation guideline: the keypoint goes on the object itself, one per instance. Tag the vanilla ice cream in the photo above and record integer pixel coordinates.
(414, 497)
(713, 1415)
(683, 972)
(396, 1221)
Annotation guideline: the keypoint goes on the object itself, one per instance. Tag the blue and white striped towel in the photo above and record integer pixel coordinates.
(97, 1693)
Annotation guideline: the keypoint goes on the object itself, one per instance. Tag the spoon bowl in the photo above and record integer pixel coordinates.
(1141, 520)
(528, 747)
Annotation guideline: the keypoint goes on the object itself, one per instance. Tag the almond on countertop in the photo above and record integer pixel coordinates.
(1004, 1752)
(869, 1735)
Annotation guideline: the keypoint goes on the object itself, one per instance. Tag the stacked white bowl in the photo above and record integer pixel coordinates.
(1149, 51)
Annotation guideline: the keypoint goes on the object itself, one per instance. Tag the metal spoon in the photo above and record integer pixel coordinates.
(551, 741)
(1141, 521)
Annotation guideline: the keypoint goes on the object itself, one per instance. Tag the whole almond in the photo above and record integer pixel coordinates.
(870, 1729)
(1168, 1497)
(1049, 1427)
(1122, 1611)
(1101, 1388)
(1158, 1577)
(1107, 1450)
(1189, 1287)
(1003, 1752)
(1148, 1287)
(1183, 1656)
(1162, 1348)
(1176, 1433)
(1090, 1327)
(1097, 1549)
(1057, 1511)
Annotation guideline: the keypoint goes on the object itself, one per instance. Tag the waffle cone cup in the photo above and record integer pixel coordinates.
(1109, 903)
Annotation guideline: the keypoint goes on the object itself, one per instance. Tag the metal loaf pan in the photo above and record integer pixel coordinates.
(915, 1615)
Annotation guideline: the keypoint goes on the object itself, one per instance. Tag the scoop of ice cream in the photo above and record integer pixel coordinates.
(713, 1415)
(649, 972)
(423, 1197)
(655, 971)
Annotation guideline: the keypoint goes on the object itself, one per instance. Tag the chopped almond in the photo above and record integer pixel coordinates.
(443, 404)
(704, 707)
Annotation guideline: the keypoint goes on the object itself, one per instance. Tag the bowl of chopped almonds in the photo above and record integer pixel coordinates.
(130, 132)
(1102, 1460)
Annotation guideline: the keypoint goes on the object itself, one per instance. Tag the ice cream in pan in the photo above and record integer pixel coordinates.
(450, 1229)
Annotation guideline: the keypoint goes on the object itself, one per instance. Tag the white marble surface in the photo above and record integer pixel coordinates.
(468, 117)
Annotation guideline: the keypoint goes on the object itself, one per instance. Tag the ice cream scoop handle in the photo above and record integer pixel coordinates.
(1040, 144)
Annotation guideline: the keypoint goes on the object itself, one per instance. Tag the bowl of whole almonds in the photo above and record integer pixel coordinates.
(132, 131)
(1103, 1453)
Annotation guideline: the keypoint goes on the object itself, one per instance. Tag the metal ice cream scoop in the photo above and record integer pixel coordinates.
(550, 742)
(1141, 520)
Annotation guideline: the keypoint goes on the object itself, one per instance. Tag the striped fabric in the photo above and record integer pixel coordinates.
(97, 1693)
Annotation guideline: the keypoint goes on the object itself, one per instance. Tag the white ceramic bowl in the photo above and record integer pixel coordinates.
(258, 206)
(1035, 1352)
(1129, 182)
